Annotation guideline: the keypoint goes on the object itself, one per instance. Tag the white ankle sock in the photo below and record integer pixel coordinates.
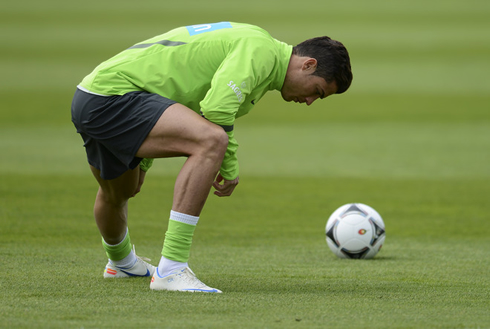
(166, 266)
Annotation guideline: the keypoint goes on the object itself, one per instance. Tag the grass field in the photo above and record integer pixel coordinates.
(411, 138)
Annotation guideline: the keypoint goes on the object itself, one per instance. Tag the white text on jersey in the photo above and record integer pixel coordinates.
(236, 89)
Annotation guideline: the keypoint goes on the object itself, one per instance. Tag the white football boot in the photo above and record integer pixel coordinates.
(140, 268)
(180, 280)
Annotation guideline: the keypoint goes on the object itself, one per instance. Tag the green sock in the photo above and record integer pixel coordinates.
(118, 251)
(178, 241)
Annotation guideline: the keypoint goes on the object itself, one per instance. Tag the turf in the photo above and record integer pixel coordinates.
(411, 139)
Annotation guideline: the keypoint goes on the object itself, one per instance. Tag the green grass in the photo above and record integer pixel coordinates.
(431, 273)
(411, 139)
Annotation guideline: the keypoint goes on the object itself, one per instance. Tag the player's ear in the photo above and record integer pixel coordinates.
(310, 65)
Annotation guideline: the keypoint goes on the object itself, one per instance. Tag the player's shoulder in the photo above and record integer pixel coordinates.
(249, 31)
(227, 31)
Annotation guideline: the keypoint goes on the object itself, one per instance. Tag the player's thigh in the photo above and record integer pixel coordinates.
(181, 132)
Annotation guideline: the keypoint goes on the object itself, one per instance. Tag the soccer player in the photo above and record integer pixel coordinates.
(178, 94)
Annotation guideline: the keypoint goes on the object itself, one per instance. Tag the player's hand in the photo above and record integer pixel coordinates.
(224, 187)
(141, 180)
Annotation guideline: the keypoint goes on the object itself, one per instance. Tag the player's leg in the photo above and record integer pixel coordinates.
(111, 138)
(111, 216)
(111, 204)
(181, 131)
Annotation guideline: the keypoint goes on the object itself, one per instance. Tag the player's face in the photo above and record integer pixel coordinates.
(301, 86)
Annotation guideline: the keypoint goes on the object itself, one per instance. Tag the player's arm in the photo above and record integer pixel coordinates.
(245, 67)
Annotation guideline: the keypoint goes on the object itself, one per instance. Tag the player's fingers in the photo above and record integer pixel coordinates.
(219, 178)
(221, 189)
(227, 188)
(217, 185)
(224, 193)
(217, 181)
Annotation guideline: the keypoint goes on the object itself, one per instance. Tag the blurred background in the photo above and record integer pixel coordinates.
(418, 106)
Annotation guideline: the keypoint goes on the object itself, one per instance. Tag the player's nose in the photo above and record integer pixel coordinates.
(310, 100)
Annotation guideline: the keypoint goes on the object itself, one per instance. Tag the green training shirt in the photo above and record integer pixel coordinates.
(219, 70)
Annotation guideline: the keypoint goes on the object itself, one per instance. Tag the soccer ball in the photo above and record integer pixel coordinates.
(355, 230)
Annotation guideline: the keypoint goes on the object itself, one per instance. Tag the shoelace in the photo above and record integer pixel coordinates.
(139, 257)
(192, 279)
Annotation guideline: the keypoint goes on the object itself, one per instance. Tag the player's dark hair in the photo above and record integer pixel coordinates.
(333, 62)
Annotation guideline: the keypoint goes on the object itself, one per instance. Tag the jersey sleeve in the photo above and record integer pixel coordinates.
(247, 64)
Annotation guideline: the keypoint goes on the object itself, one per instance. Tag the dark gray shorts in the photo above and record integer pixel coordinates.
(114, 127)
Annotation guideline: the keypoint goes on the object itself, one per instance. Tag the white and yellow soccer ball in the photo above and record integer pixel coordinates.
(356, 231)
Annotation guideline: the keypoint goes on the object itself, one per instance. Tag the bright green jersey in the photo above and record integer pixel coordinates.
(219, 70)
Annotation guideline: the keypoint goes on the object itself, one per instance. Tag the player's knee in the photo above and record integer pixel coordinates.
(216, 142)
(114, 200)
(117, 196)
(221, 140)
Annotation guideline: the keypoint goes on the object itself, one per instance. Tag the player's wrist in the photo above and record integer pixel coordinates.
(146, 164)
